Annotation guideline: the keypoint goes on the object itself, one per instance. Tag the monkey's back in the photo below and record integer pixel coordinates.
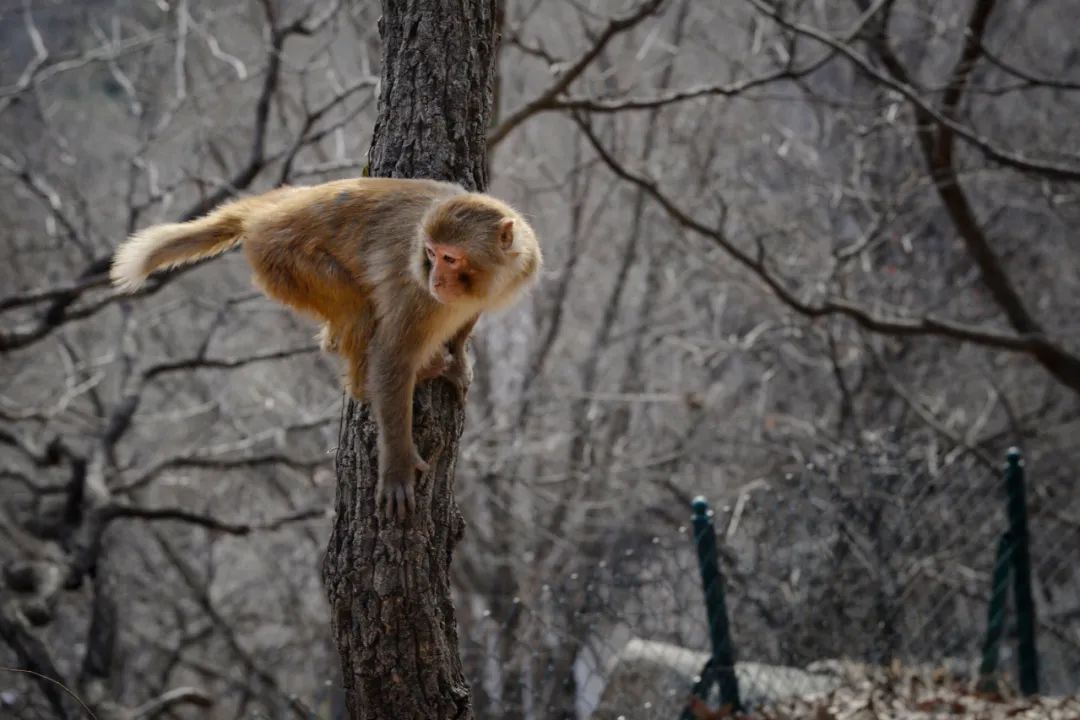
(368, 225)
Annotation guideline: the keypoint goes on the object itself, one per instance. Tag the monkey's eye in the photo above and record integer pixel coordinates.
(449, 260)
(430, 253)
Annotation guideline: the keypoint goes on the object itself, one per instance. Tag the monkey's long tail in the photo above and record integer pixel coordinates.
(172, 244)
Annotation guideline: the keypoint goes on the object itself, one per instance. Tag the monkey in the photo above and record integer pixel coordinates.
(396, 271)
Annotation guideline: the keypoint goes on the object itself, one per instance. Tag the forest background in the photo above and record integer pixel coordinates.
(815, 260)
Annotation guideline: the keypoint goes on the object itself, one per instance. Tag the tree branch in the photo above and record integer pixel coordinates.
(35, 658)
(95, 274)
(1061, 364)
(204, 363)
(1050, 170)
(169, 700)
(936, 141)
(1030, 79)
(546, 100)
(672, 97)
(213, 463)
(123, 510)
(601, 105)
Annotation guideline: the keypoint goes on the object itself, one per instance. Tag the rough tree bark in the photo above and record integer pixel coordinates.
(388, 584)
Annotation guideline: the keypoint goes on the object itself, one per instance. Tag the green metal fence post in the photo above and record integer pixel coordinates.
(995, 617)
(723, 654)
(1025, 607)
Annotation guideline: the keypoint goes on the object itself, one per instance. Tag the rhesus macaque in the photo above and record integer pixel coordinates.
(396, 270)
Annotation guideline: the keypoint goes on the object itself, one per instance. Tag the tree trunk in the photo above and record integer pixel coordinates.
(388, 584)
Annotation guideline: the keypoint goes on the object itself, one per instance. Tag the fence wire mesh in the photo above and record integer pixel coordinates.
(834, 574)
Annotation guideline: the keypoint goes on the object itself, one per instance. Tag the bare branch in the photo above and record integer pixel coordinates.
(95, 273)
(35, 658)
(672, 97)
(1030, 79)
(936, 141)
(33, 297)
(39, 70)
(39, 187)
(169, 700)
(544, 101)
(788, 72)
(41, 54)
(931, 420)
(124, 510)
(204, 363)
(216, 463)
(1051, 170)
(1053, 357)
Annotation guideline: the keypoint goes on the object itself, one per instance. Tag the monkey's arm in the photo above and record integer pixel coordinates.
(391, 380)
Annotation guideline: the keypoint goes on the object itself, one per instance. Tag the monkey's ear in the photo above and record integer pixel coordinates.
(506, 233)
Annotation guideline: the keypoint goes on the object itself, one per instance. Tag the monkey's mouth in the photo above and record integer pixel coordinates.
(448, 293)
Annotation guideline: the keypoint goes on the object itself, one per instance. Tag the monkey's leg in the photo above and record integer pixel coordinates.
(328, 338)
(457, 368)
(391, 379)
(350, 338)
(316, 283)
(435, 367)
(352, 344)
(312, 282)
(459, 371)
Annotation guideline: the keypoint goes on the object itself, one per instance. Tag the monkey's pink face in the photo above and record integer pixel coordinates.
(451, 276)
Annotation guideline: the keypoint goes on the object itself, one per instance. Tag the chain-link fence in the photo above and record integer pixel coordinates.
(833, 574)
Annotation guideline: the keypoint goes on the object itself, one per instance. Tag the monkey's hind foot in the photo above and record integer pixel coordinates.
(456, 369)
(435, 367)
(460, 375)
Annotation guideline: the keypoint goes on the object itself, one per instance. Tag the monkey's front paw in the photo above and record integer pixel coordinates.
(395, 496)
